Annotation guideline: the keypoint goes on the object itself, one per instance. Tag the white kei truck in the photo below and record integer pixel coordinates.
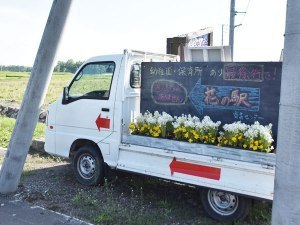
(89, 124)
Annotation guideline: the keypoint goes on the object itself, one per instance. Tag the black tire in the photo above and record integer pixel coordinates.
(224, 206)
(89, 166)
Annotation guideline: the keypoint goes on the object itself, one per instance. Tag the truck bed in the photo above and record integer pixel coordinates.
(266, 159)
(234, 170)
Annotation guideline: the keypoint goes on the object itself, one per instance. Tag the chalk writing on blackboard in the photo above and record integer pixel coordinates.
(190, 71)
(160, 71)
(244, 72)
(270, 75)
(225, 91)
(247, 117)
(214, 72)
(168, 92)
(224, 97)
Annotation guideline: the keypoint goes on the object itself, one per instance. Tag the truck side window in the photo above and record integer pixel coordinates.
(93, 81)
(135, 76)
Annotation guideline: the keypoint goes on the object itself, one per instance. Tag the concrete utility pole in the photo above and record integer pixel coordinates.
(231, 27)
(286, 207)
(34, 96)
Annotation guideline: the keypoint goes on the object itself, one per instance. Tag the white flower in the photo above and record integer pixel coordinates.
(257, 130)
(164, 119)
(140, 118)
(151, 120)
(236, 127)
(189, 123)
(156, 115)
(207, 123)
(176, 125)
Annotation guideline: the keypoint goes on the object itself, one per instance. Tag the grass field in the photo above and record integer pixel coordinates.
(13, 84)
(7, 126)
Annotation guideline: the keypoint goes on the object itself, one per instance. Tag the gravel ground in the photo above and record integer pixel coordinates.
(124, 198)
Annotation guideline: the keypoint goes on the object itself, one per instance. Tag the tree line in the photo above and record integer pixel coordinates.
(68, 66)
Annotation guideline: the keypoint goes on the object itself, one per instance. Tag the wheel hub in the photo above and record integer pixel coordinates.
(222, 202)
(86, 166)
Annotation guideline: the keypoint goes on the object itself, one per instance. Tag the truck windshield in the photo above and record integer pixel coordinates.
(93, 81)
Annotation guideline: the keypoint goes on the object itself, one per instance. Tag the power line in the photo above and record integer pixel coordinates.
(245, 12)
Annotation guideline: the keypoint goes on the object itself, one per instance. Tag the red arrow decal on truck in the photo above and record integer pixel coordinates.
(102, 122)
(195, 170)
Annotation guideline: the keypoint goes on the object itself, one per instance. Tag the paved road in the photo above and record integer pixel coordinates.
(14, 212)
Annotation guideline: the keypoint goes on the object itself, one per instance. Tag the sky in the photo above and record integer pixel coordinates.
(97, 27)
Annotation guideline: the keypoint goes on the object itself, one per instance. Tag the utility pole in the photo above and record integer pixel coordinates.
(231, 27)
(33, 98)
(286, 207)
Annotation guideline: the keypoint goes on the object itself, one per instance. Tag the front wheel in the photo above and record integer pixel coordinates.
(88, 166)
(224, 206)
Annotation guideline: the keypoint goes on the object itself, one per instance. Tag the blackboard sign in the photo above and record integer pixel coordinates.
(225, 91)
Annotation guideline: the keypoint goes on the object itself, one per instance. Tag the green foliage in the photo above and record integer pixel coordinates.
(70, 66)
(15, 68)
(7, 126)
(261, 211)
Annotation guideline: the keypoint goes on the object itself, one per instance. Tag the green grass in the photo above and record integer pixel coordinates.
(13, 84)
(7, 126)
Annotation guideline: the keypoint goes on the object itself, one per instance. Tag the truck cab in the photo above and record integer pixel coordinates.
(97, 106)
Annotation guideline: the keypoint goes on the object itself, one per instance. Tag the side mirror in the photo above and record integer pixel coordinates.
(65, 97)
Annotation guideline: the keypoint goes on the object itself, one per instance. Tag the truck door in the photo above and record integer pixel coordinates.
(88, 109)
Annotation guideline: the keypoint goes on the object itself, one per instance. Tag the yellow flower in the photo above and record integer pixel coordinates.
(225, 142)
(190, 140)
(183, 129)
(155, 134)
(254, 148)
(261, 147)
(251, 145)
(244, 146)
(233, 139)
(213, 140)
(131, 126)
(256, 143)
(186, 135)
(196, 136)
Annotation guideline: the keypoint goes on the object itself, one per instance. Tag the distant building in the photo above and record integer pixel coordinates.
(200, 38)
(202, 45)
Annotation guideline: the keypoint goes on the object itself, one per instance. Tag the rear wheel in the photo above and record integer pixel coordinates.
(88, 166)
(225, 206)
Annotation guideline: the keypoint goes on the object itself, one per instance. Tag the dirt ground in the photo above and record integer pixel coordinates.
(124, 198)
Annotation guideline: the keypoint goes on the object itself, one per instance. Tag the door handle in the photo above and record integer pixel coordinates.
(105, 109)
